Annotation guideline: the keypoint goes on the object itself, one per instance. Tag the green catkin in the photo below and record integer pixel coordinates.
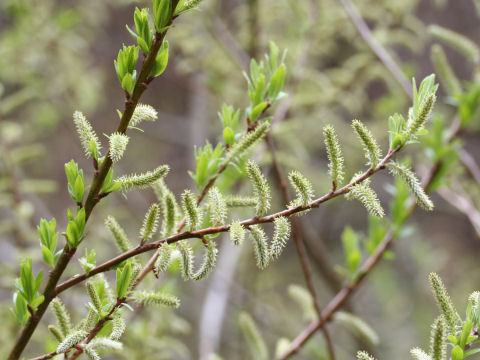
(368, 197)
(281, 234)
(118, 143)
(456, 41)
(151, 298)
(237, 233)
(417, 123)
(94, 298)
(186, 259)
(252, 334)
(168, 206)
(438, 346)
(190, 4)
(373, 153)
(71, 340)
(218, 207)
(106, 343)
(143, 112)
(118, 327)
(90, 320)
(88, 138)
(334, 154)
(150, 223)
(56, 333)
(191, 210)
(62, 315)
(261, 188)
(136, 270)
(209, 262)
(169, 213)
(412, 182)
(445, 71)
(164, 257)
(305, 301)
(91, 354)
(303, 188)
(474, 298)
(260, 247)
(240, 201)
(118, 233)
(247, 142)
(143, 180)
(363, 355)
(444, 302)
(419, 354)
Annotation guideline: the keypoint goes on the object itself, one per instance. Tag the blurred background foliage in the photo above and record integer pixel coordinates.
(57, 57)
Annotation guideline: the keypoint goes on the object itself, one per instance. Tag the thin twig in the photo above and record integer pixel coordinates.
(344, 294)
(224, 228)
(151, 262)
(92, 199)
(299, 244)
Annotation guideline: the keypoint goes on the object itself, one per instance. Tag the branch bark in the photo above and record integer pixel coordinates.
(92, 199)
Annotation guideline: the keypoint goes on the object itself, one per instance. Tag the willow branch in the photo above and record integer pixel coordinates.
(91, 334)
(92, 199)
(151, 262)
(199, 234)
(344, 294)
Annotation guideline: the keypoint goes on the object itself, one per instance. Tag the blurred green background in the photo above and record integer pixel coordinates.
(57, 57)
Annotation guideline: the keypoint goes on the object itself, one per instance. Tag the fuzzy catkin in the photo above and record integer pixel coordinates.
(303, 188)
(334, 154)
(209, 262)
(281, 234)
(261, 188)
(143, 180)
(237, 233)
(62, 315)
(118, 234)
(87, 135)
(373, 153)
(259, 240)
(412, 182)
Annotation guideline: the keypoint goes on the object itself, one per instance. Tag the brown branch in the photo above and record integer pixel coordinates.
(96, 329)
(299, 244)
(344, 294)
(151, 262)
(224, 228)
(91, 334)
(92, 199)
